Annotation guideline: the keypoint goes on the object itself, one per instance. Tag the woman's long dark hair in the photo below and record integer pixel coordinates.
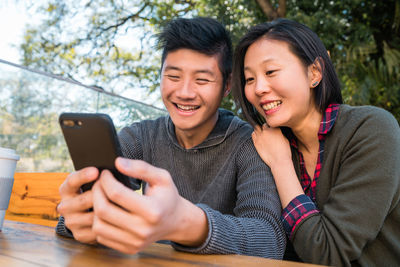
(303, 43)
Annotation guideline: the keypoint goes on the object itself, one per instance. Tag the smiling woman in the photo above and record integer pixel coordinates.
(270, 85)
(325, 156)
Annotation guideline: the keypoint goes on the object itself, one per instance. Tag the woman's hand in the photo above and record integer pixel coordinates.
(274, 149)
(272, 146)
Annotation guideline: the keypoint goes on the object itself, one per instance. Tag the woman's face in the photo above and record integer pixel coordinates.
(278, 85)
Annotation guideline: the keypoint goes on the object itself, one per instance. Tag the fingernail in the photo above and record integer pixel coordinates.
(123, 162)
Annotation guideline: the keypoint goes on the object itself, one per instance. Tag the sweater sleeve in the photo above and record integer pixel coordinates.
(255, 228)
(62, 230)
(360, 193)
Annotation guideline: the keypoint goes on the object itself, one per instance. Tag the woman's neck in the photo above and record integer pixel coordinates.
(306, 131)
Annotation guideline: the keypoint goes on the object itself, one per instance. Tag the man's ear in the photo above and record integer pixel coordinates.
(315, 72)
(227, 88)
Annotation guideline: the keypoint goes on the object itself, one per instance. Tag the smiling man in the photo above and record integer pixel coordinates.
(206, 189)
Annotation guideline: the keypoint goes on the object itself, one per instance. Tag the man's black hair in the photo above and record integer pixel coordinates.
(201, 34)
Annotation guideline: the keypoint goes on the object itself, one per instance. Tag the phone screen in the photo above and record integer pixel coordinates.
(92, 141)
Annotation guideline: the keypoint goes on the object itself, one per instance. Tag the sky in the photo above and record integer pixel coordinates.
(13, 17)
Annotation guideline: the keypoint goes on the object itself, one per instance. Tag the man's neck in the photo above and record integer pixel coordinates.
(194, 137)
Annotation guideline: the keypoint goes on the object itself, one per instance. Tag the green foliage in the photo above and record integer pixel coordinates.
(364, 42)
(82, 40)
(374, 82)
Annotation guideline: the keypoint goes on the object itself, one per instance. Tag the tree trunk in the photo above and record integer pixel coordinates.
(270, 12)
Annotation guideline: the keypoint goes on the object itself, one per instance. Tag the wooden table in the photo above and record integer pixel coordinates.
(25, 244)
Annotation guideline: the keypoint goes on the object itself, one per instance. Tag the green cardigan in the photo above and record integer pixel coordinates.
(358, 193)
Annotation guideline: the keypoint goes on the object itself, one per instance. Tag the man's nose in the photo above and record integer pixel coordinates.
(186, 89)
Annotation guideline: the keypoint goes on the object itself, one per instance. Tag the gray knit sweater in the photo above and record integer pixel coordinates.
(224, 176)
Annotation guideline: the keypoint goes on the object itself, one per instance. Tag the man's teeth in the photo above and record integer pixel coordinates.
(187, 107)
(271, 105)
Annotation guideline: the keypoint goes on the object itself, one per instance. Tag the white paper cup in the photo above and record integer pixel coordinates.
(8, 163)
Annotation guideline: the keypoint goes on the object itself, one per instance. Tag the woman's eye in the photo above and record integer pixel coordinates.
(249, 80)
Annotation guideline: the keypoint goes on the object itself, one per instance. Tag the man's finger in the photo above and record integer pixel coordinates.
(75, 180)
(108, 191)
(79, 220)
(115, 237)
(79, 203)
(143, 171)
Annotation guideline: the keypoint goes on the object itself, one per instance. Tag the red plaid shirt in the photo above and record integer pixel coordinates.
(304, 205)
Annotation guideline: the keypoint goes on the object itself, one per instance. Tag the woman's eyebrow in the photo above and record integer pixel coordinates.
(262, 62)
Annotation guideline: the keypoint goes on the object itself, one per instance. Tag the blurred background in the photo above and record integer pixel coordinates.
(101, 56)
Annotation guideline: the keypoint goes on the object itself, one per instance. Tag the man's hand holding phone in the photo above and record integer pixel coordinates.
(128, 221)
(123, 219)
(74, 205)
(110, 212)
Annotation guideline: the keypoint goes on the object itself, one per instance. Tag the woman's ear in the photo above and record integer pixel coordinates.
(315, 72)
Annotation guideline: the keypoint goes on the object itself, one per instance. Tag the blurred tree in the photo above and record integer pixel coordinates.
(363, 38)
(110, 43)
(29, 108)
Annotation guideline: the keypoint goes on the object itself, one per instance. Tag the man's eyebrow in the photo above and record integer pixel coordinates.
(205, 72)
(172, 68)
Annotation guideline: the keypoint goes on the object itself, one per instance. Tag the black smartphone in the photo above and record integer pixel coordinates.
(92, 141)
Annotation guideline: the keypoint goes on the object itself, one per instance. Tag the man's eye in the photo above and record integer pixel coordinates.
(172, 77)
(203, 81)
(270, 72)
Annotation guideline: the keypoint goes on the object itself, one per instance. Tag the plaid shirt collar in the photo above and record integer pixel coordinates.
(328, 120)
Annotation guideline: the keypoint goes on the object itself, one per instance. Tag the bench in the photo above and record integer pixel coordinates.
(34, 198)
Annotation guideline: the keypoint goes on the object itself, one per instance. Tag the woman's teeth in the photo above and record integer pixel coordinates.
(271, 105)
(187, 107)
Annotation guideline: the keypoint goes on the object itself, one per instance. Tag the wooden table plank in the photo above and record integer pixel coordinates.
(23, 244)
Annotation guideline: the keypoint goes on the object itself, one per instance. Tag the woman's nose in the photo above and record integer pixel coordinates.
(261, 87)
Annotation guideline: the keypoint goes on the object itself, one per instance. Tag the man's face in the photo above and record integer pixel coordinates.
(191, 89)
